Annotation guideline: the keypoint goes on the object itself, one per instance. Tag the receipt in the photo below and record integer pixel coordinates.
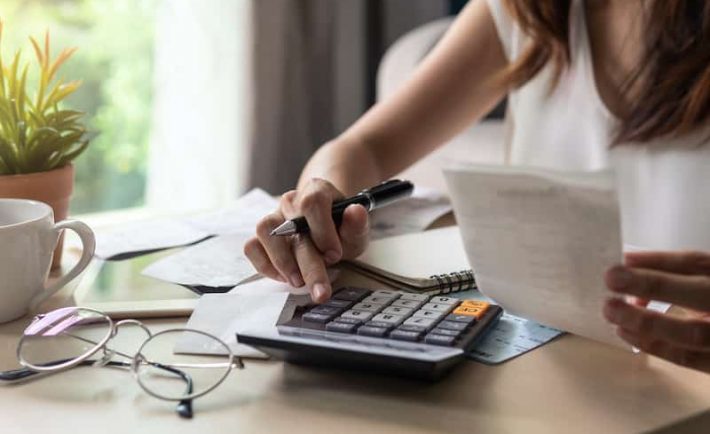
(413, 214)
(540, 242)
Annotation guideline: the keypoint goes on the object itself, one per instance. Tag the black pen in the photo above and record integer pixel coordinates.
(372, 198)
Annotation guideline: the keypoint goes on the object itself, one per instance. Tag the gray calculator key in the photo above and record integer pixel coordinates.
(452, 325)
(443, 340)
(444, 300)
(343, 304)
(340, 327)
(396, 310)
(326, 310)
(406, 335)
(439, 307)
(388, 318)
(386, 293)
(461, 318)
(433, 314)
(411, 304)
(446, 332)
(420, 322)
(357, 314)
(377, 332)
(316, 317)
(368, 307)
(414, 297)
(413, 328)
(351, 294)
(378, 299)
(354, 321)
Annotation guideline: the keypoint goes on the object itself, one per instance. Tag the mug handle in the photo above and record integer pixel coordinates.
(88, 243)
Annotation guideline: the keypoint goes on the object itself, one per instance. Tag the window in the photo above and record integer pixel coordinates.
(114, 62)
(163, 89)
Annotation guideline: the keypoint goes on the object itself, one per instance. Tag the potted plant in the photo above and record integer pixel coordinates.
(39, 137)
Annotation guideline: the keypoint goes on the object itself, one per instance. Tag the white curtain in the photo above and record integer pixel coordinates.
(201, 99)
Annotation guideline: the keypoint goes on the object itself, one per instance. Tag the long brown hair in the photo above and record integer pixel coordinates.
(673, 78)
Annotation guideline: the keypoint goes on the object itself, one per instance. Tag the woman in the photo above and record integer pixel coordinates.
(591, 84)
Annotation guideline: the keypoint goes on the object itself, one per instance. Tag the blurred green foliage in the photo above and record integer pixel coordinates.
(114, 61)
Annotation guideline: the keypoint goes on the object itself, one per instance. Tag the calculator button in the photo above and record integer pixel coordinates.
(461, 318)
(358, 314)
(435, 315)
(326, 310)
(395, 310)
(377, 332)
(316, 317)
(354, 321)
(388, 318)
(420, 322)
(414, 297)
(368, 307)
(483, 305)
(413, 328)
(406, 335)
(386, 293)
(343, 304)
(410, 304)
(444, 300)
(351, 294)
(452, 325)
(436, 339)
(378, 299)
(340, 327)
(446, 332)
(475, 312)
(439, 307)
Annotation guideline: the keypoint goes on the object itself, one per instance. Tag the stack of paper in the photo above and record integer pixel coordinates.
(540, 242)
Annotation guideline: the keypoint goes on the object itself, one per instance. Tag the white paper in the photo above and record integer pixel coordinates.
(413, 214)
(217, 262)
(145, 236)
(239, 217)
(223, 315)
(540, 242)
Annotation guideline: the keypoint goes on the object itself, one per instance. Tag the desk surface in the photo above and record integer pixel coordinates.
(570, 385)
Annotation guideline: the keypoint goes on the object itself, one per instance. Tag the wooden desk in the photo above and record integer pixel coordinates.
(571, 385)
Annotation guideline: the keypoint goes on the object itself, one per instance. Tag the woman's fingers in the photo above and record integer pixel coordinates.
(699, 360)
(316, 204)
(689, 333)
(673, 262)
(691, 291)
(278, 249)
(354, 231)
(260, 259)
(312, 268)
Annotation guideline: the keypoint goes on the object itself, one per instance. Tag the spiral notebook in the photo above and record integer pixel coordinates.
(428, 262)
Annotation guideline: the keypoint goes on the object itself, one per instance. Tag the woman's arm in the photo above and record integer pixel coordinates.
(452, 88)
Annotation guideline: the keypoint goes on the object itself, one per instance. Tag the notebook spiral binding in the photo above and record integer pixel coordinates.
(455, 282)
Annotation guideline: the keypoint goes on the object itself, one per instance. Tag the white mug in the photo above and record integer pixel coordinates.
(28, 236)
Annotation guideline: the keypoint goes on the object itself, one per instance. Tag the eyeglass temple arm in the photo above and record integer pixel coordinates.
(183, 409)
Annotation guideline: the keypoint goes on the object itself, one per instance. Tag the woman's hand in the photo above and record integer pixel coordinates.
(681, 278)
(303, 259)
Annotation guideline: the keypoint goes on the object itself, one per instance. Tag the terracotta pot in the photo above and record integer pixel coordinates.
(53, 188)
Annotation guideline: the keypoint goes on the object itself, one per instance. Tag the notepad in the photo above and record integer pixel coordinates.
(429, 262)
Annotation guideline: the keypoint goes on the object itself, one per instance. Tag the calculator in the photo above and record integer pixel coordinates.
(389, 331)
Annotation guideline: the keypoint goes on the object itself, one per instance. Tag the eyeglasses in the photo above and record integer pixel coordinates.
(74, 336)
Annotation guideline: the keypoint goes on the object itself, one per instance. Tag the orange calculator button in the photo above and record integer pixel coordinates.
(472, 308)
(475, 303)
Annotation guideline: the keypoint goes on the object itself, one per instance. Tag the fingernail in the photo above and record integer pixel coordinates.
(331, 257)
(296, 280)
(619, 277)
(320, 293)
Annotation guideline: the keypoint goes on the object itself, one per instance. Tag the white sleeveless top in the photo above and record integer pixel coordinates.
(663, 187)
